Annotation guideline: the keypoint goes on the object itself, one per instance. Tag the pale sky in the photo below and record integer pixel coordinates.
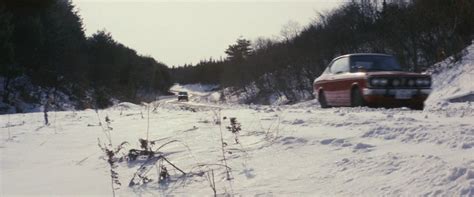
(179, 32)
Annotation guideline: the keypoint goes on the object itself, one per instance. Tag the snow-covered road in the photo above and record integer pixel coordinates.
(292, 150)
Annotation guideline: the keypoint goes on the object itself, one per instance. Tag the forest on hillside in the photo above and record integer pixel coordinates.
(418, 32)
(45, 52)
(44, 42)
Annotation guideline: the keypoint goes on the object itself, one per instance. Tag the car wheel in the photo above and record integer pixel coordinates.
(322, 100)
(356, 98)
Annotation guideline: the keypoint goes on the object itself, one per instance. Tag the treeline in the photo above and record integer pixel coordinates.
(45, 41)
(418, 32)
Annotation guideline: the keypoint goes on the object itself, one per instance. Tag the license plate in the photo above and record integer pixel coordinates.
(403, 94)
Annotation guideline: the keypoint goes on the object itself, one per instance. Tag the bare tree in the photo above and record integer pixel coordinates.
(290, 30)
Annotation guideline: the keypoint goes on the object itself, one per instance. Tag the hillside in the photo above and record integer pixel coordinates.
(265, 68)
(48, 62)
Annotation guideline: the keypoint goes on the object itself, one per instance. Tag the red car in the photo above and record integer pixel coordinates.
(370, 79)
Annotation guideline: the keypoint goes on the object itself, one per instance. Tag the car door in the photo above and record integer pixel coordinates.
(321, 82)
(340, 82)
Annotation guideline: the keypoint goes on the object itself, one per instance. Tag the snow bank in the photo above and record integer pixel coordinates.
(126, 106)
(453, 82)
(202, 88)
(254, 95)
(26, 97)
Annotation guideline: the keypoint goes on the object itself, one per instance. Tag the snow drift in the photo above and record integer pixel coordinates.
(453, 82)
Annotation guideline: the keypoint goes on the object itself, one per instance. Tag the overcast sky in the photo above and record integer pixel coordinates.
(179, 32)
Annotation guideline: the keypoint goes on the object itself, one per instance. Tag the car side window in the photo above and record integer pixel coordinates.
(340, 66)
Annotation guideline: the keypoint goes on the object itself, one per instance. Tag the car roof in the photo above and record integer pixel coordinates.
(363, 54)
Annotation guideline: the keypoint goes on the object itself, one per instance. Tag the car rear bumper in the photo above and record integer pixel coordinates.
(395, 97)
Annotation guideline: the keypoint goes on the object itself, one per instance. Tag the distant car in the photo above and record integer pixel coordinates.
(368, 79)
(183, 96)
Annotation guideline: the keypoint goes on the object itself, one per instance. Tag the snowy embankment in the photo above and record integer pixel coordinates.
(26, 97)
(453, 82)
(297, 150)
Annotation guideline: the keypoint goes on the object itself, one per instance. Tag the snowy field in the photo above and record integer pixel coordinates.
(294, 150)
(288, 150)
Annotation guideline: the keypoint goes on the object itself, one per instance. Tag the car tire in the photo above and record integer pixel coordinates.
(322, 100)
(357, 100)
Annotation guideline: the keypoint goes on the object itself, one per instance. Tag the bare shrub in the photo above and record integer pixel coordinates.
(234, 127)
(112, 156)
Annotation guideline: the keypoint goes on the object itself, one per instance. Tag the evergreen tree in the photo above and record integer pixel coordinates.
(239, 51)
